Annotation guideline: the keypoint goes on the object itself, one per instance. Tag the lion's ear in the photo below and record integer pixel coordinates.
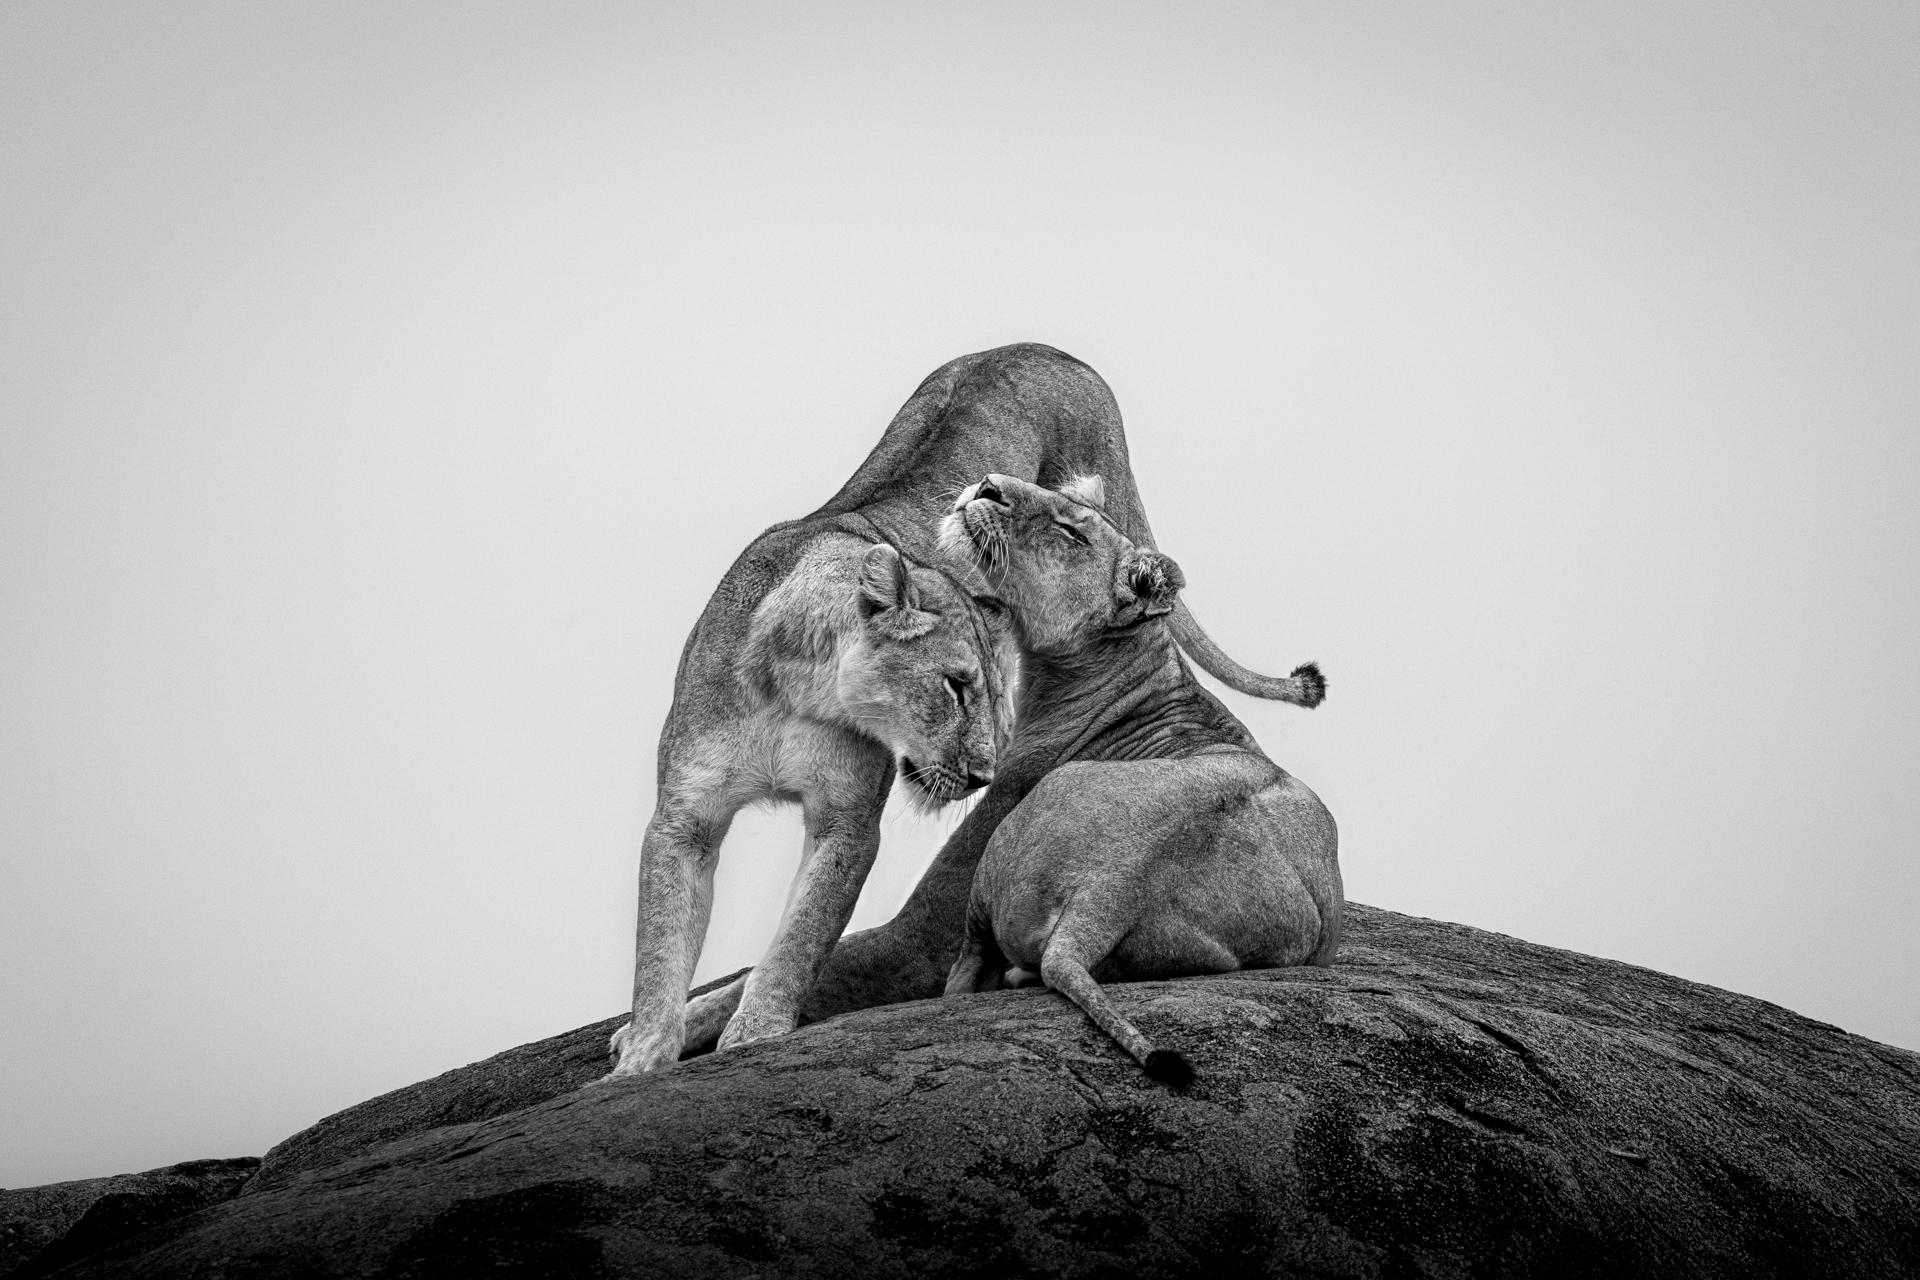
(1154, 580)
(1088, 491)
(884, 581)
(888, 597)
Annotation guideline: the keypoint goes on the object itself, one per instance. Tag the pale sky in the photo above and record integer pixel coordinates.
(385, 388)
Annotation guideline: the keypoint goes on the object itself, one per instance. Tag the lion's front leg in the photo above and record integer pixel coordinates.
(843, 835)
(677, 859)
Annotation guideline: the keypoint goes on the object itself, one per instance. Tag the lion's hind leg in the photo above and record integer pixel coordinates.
(981, 963)
(707, 1016)
(970, 972)
(1064, 970)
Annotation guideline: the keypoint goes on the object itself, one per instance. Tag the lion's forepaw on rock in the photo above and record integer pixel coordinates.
(632, 1057)
(745, 1029)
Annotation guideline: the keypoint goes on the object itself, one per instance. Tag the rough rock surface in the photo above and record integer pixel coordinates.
(1444, 1101)
(42, 1228)
(492, 1087)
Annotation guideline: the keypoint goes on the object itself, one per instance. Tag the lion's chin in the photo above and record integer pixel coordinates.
(974, 529)
(956, 536)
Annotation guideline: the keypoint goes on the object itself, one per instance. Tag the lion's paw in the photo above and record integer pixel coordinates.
(745, 1029)
(634, 1054)
(618, 1040)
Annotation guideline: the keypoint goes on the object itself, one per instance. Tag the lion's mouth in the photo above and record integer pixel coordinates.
(937, 782)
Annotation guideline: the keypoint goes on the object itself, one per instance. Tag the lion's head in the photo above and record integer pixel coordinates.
(928, 672)
(1058, 562)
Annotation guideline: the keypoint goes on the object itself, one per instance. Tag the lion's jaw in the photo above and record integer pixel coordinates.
(940, 762)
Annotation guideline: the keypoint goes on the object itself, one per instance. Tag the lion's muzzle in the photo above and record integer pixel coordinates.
(943, 783)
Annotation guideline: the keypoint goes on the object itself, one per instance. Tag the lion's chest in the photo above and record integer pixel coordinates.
(784, 758)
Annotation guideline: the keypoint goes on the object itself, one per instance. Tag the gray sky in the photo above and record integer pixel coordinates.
(385, 389)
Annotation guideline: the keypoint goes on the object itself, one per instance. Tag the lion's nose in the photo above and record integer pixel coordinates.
(988, 491)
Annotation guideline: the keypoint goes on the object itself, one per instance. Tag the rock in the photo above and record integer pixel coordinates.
(42, 1228)
(1444, 1101)
(505, 1082)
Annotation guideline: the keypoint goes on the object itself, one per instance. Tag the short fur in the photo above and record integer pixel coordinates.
(1027, 410)
(1183, 850)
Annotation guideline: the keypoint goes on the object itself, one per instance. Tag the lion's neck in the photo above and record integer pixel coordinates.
(1127, 698)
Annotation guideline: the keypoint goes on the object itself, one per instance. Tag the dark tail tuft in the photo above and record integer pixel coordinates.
(1308, 674)
(1170, 1066)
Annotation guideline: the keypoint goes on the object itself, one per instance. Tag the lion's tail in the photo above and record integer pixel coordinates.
(1070, 978)
(1304, 688)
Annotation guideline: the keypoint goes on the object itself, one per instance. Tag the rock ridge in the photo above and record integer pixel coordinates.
(1443, 1101)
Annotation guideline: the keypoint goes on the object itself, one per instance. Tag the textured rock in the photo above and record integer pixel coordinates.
(43, 1227)
(1442, 1102)
(505, 1082)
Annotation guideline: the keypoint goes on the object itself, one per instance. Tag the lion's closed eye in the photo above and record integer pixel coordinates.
(1071, 532)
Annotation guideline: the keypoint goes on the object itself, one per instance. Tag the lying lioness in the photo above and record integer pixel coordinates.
(851, 658)
(1171, 845)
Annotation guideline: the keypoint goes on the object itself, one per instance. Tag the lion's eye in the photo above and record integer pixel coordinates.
(957, 690)
(991, 604)
(1072, 533)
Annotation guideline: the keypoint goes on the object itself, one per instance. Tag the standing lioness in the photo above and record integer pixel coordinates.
(851, 660)
(1181, 849)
